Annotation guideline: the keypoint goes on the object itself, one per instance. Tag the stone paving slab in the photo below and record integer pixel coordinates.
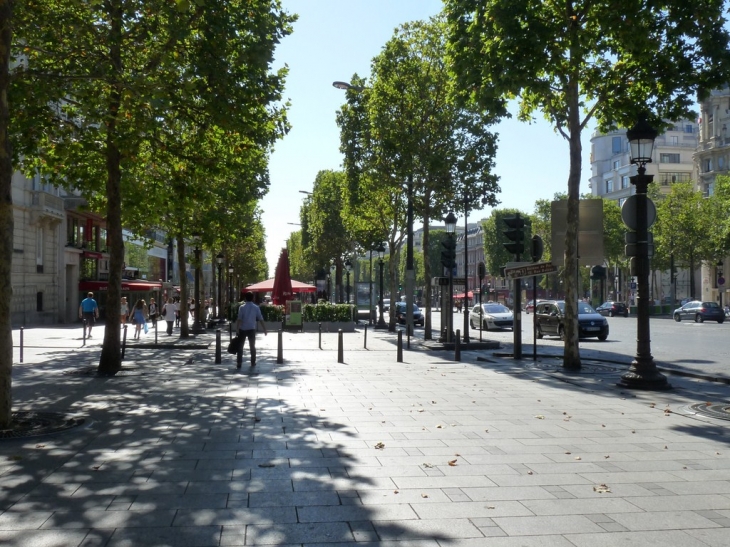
(370, 452)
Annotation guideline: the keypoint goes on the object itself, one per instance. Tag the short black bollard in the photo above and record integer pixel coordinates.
(217, 346)
(365, 343)
(399, 354)
(155, 327)
(124, 340)
(457, 346)
(340, 349)
(320, 336)
(21, 344)
(230, 331)
(83, 322)
(280, 348)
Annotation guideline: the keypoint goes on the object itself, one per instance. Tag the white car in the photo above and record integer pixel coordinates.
(386, 304)
(492, 316)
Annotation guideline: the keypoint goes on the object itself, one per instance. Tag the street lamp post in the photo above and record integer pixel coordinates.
(410, 273)
(219, 259)
(381, 255)
(198, 326)
(230, 289)
(642, 373)
(450, 222)
(333, 281)
(348, 269)
(466, 270)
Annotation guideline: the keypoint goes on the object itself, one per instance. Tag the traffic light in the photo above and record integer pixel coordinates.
(515, 233)
(448, 254)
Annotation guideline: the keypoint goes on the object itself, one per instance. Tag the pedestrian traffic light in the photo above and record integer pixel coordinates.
(515, 233)
(448, 254)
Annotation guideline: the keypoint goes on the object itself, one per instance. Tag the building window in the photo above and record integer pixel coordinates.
(621, 201)
(625, 181)
(721, 163)
(609, 186)
(39, 244)
(707, 165)
(668, 158)
(616, 164)
(616, 145)
(689, 128)
(674, 140)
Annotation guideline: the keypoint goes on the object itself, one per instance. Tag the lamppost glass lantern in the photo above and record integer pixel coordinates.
(348, 269)
(450, 222)
(641, 142)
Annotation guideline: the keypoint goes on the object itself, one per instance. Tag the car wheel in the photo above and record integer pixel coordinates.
(610, 314)
(677, 317)
(561, 332)
(539, 332)
(721, 321)
(699, 318)
(626, 314)
(602, 337)
(485, 326)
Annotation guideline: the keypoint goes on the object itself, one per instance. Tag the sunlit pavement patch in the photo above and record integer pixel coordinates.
(32, 424)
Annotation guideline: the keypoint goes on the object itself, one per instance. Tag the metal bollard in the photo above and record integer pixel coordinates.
(124, 341)
(365, 343)
(83, 322)
(340, 350)
(155, 326)
(280, 348)
(230, 331)
(21, 344)
(457, 346)
(217, 346)
(408, 340)
(399, 354)
(320, 336)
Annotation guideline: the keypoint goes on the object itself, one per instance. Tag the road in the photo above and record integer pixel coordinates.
(698, 347)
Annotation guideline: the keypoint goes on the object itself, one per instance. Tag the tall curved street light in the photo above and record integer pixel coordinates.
(450, 223)
(219, 305)
(642, 373)
(348, 269)
(381, 255)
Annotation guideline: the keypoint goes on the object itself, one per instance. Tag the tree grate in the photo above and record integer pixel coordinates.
(32, 424)
(719, 411)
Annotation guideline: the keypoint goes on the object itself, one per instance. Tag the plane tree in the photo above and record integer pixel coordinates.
(575, 61)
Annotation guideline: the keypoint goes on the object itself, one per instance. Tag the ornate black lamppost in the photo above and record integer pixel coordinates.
(348, 269)
(230, 287)
(450, 222)
(643, 373)
(198, 326)
(219, 305)
(333, 281)
(381, 255)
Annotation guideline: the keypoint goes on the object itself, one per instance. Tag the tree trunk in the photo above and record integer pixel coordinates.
(6, 221)
(571, 358)
(110, 361)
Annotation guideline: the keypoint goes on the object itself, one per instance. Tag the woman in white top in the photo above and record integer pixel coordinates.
(125, 311)
(169, 312)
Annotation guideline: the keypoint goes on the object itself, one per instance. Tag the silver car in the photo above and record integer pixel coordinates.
(492, 316)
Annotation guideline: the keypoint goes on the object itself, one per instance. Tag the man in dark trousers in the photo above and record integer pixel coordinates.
(89, 312)
(248, 315)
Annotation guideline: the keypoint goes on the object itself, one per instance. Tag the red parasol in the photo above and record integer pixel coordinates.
(282, 290)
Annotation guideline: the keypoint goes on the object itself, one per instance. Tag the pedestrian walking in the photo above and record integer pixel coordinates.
(248, 316)
(169, 312)
(139, 317)
(177, 312)
(152, 308)
(124, 310)
(88, 312)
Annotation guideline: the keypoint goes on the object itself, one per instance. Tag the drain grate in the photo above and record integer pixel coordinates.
(33, 424)
(719, 411)
(586, 368)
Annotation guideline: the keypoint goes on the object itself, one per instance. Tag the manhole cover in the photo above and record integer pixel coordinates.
(32, 424)
(719, 411)
(93, 371)
(586, 368)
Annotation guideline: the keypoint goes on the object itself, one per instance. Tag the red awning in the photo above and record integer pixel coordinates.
(92, 254)
(268, 286)
(140, 286)
(461, 295)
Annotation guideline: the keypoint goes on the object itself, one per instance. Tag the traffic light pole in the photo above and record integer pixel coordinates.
(516, 234)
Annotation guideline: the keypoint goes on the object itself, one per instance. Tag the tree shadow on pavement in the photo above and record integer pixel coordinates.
(184, 451)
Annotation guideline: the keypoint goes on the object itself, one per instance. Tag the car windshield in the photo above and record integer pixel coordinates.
(582, 308)
(710, 305)
(495, 308)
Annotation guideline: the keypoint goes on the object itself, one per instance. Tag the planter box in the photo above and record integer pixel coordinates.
(329, 326)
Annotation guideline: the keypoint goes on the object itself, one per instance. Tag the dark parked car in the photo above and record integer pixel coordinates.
(700, 311)
(613, 308)
(400, 314)
(550, 319)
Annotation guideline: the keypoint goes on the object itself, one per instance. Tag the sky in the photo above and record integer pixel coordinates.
(332, 40)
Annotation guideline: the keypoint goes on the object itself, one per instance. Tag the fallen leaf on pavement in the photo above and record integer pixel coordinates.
(540, 417)
(452, 463)
(601, 489)
(379, 446)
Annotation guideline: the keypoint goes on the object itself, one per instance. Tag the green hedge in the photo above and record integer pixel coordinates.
(324, 311)
(273, 314)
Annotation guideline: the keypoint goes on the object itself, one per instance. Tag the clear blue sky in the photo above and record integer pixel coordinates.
(332, 40)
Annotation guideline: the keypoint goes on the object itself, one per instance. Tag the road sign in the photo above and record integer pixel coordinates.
(720, 280)
(632, 250)
(628, 212)
(538, 268)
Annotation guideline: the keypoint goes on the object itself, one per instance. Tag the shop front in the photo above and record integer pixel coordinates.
(133, 290)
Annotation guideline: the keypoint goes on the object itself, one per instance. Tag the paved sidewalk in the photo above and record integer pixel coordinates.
(181, 451)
